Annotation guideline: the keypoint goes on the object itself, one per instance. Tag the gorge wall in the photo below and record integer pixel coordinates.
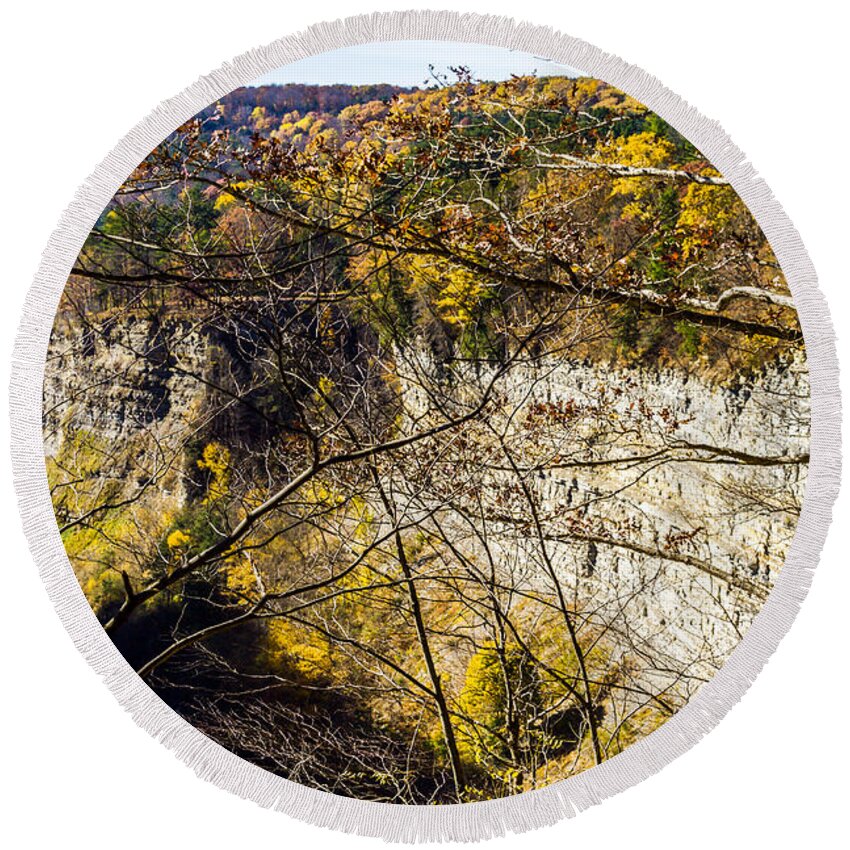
(676, 550)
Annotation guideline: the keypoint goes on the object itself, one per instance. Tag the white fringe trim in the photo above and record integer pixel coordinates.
(467, 821)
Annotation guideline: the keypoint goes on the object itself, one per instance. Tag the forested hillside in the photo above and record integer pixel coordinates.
(265, 108)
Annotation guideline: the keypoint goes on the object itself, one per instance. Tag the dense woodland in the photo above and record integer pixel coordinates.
(337, 559)
(242, 110)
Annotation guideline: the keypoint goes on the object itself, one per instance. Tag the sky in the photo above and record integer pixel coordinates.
(405, 63)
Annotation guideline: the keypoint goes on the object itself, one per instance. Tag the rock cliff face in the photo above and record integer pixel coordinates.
(123, 379)
(720, 517)
(677, 549)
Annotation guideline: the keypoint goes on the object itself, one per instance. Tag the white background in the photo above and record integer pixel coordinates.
(76, 77)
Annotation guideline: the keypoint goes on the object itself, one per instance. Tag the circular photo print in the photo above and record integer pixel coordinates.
(426, 422)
